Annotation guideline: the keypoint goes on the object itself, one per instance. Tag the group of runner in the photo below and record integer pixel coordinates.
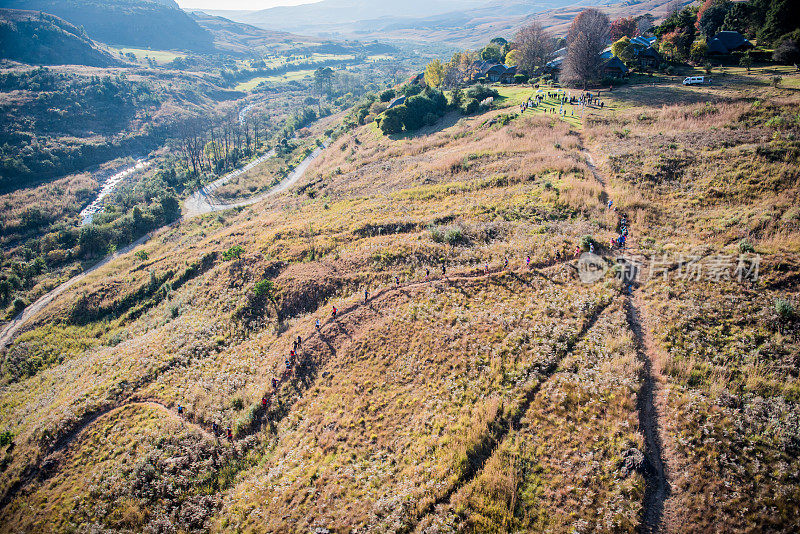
(291, 360)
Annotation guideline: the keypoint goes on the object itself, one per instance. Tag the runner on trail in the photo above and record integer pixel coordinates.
(528, 262)
(288, 366)
(214, 428)
(366, 296)
(317, 324)
(610, 203)
(264, 402)
(292, 355)
(505, 264)
(397, 281)
(486, 268)
(299, 341)
(180, 409)
(427, 273)
(444, 270)
(230, 434)
(274, 383)
(333, 313)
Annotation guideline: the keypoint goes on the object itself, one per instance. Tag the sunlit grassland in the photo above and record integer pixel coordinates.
(161, 57)
(550, 107)
(413, 397)
(294, 75)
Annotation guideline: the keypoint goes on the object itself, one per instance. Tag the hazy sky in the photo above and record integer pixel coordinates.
(239, 4)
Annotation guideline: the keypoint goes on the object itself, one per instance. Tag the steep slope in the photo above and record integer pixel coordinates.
(142, 23)
(469, 381)
(41, 39)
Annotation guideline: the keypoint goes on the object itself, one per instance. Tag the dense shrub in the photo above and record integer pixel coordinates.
(480, 92)
(418, 110)
(470, 106)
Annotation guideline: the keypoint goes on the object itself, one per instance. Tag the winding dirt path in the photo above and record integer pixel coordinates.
(201, 202)
(204, 201)
(15, 324)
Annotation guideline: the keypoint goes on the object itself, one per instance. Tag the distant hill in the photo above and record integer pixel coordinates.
(463, 24)
(238, 37)
(155, 24)
(40, 39)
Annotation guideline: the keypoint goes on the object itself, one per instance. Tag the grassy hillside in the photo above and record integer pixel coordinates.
(41, 39)
(138, 23)
(479, 385)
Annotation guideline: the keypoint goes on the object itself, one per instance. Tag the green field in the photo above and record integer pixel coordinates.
(516, 95)
(294, 75)
(162, 57)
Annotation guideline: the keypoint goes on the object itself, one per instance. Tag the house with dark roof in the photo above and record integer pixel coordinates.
(646, 58)
(614, 68)
(493, 72)
(417, 79)
(726, 42)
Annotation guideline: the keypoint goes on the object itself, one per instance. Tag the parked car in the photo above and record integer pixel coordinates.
(694, 80)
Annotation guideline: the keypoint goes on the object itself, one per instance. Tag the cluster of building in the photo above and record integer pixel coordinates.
(645, 57)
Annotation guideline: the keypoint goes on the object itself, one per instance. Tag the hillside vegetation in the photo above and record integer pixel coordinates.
(41, 39)
(478, 385)
(144, 23)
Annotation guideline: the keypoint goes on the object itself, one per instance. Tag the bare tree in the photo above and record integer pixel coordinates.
(535, 46)
(586, 39)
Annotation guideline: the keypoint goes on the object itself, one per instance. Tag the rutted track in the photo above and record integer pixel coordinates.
(307, 366)
(498, 429)
(204, 200)
(657, 488)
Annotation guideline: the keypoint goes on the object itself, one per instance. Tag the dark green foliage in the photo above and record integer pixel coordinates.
(65, 105)
(782, 17)
(493, 53)
(419, 110)
(387, 95)
(481, 92)
(393, 119)
(42, 39)
(470, 106)
(6, 438)
(712, 18)
(233, 253)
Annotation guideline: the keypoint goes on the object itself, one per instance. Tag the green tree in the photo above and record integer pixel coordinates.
(233, 253)
(492, 53)
(323, 80)
(782, 17)
(393, 119)
(623, 49)
(711, 16)
(746, 61)
(698, 50)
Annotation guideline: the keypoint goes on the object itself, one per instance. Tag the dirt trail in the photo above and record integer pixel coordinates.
(11, 328)
(657, 487)
(199, 203)
(204, 200)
